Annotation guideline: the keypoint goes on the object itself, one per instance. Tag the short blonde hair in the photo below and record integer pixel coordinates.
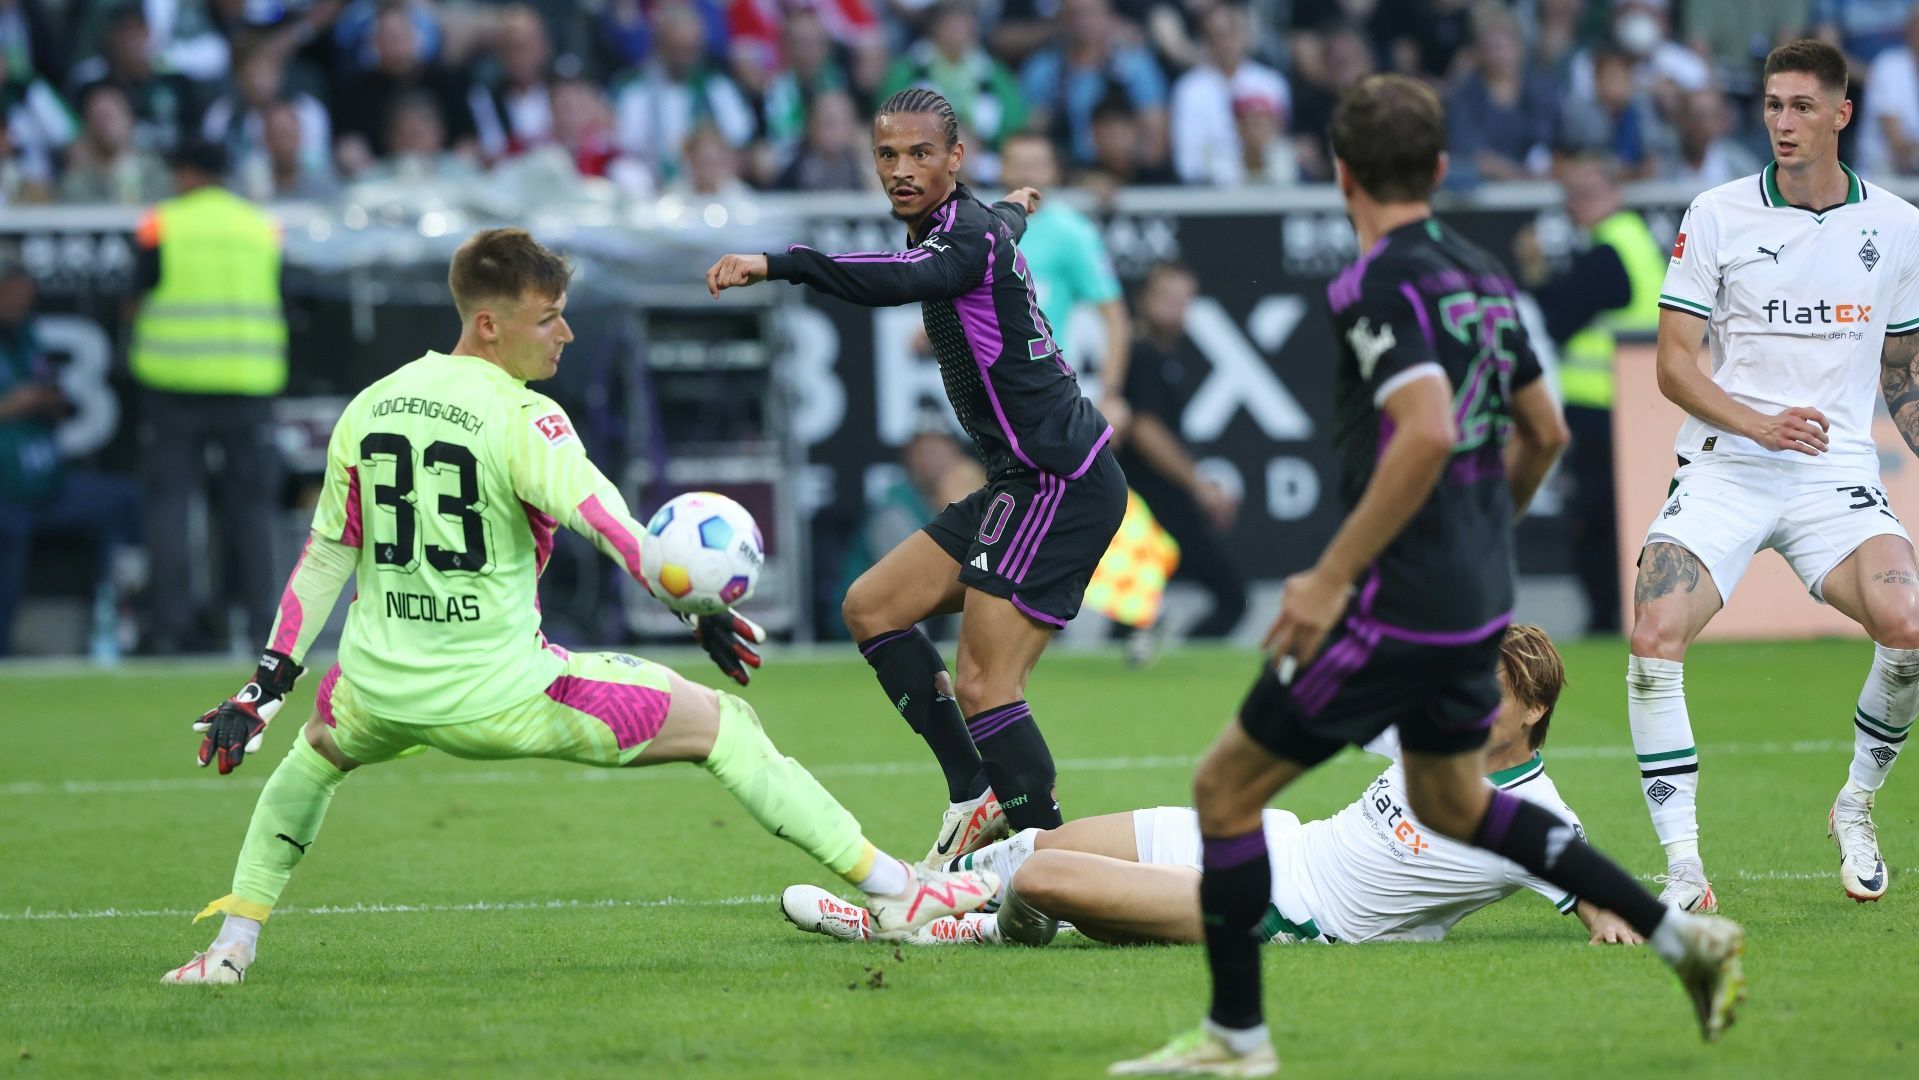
(1535, 672)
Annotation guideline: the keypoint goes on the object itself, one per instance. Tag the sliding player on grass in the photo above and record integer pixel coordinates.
(444, 484)
(1804, 280)
(1444, 429)
(1373, 872)
(1015, 556)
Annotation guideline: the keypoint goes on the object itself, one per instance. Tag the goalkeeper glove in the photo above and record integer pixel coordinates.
(238, 725)
(729, 638)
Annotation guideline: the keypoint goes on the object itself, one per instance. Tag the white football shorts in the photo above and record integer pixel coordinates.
(1169, 836)
(1725, 509)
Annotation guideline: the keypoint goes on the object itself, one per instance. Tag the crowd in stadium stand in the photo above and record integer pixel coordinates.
(711, 97)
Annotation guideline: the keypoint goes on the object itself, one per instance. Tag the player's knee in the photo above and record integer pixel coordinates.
(862, 611)
(1658, 634)
(1225, 807)
(979, 687)
(1898, 635)
(1042, 882)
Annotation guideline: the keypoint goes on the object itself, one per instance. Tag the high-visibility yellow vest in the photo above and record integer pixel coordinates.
(214, 325)
(1585, 367)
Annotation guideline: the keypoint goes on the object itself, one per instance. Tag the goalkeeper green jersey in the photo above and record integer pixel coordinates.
(449, 477)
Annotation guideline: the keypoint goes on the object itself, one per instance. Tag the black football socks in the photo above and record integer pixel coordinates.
(907, 664)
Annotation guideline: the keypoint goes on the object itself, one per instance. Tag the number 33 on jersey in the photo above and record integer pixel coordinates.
(450, 477)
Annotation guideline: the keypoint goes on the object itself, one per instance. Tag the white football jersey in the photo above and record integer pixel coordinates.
(1798, 304)
(1373, 872)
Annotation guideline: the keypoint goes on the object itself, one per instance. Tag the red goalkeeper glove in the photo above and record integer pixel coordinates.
(238, 725)
(729, 638)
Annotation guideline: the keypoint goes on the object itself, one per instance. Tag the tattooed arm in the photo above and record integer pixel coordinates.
(1899, 381)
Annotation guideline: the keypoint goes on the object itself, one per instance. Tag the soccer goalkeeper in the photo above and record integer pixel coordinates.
(444, 484)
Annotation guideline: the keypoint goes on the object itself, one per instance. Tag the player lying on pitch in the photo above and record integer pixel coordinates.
(1372, 872)
(444, 484)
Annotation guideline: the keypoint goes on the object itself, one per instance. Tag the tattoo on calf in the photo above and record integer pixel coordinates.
(1665, 569)
(1896, 577)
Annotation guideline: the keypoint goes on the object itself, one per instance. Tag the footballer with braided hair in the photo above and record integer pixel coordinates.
(1014, 557)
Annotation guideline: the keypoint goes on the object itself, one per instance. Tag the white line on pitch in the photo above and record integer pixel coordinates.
(828, 771)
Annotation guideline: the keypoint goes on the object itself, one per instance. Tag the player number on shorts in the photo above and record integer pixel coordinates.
(1867, 498)
(462, 506)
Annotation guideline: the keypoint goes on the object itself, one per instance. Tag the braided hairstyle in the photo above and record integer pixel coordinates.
(919, 99)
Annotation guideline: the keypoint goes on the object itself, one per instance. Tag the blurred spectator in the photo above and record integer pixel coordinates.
(811, 69)
(283, 169)
(209, 347)
(104, 165)
(1889, 125)
(1165, 371)
(1503, 118)
(1347, 58)
(1863, 28)
(1618, 118)
(23, 179)
(1554, 38)
(657, 107)
(364, 107)
(1119, 152)
(163, 103)
(38, 493)
(29, 41)
(519, 114)
(583, 126)
(712, 167)
(1611, 286)
(416, 144)
(1210, 99)
(1070, 268)
(1422, 38)
(237, 119)
(1065, 83)
(1735, 37)
(183, 36)
(837, 154)
(34, 126)
(1641, 31)
(985, 95)
(1707, 154)
(356, 32)
(625, 31)
(1266, 155)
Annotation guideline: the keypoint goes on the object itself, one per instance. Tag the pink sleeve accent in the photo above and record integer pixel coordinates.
(286, 632)
(350, 536)
(622, 538)
(634, 713)
(542, 524)
(323, 698)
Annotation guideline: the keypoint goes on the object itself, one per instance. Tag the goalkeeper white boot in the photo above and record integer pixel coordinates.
(215, 966)
(966, 827)
(817, 911)
(1862, 870)
(930, 894)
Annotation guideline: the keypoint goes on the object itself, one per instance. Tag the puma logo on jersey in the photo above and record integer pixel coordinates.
(979, 562)
(1774, 253)
(1369, 345)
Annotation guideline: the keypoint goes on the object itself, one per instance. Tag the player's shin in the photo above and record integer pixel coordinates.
(285, 822)
(910, 670)
(1018, 764)
(1887, 705)
(1668, 757)
(1234, 888)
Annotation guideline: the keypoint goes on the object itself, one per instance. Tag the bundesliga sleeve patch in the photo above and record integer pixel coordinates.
(555, 429)
(1679, 249)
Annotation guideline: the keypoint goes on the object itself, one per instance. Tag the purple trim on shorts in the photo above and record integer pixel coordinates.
(1035, 615)
(879, 641)
(1025, 528)
(1337, 664)
(1224, 853)
(1024, 537)
(323, 698)
(1050, 507)
(635, 713)
(1442, 637)
(1091, 454)
(993, 721)
(1419, 308)
(1491, 833)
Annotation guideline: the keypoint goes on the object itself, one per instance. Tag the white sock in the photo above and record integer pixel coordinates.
(238, 932)
(1666, 940)
(1668, 757)
(1240, 1041)
(889, 877)
(1887, 704)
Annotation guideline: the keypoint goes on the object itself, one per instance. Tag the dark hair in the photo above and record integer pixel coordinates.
(1815, 58)
(1389, 130)
(203, 156)
(1163, 267)
(504, 264)
(918, 99)
(1535, 673)
(1117, 104)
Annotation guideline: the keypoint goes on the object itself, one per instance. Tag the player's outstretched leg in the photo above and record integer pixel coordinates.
(785, 799)
(1448, 793)
(285, 822)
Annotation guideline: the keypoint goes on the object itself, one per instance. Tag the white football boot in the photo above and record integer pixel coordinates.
(966, 827)
(1862, 870)
(1710, 970)
(215, 966)
(930, 894)
(817, 911)
(1199, 1052)
(1687, 889)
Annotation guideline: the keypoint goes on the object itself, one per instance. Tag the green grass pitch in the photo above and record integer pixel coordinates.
(541, 919)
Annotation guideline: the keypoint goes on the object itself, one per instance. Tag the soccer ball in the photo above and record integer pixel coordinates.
(703, 553)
